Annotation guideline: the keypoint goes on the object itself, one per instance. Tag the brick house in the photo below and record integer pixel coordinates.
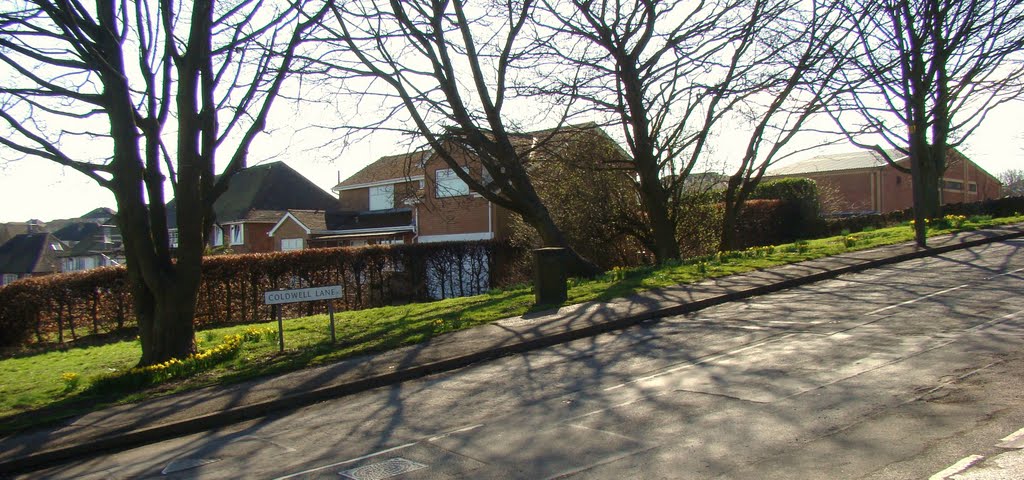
(255, 202)
(411, 198)
(863, 182)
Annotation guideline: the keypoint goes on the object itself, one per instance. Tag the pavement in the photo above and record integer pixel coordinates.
(126, 426)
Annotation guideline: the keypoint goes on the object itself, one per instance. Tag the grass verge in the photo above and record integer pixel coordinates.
(42, 388)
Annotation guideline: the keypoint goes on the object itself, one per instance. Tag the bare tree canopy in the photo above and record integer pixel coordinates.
(439, 70)
(133, 94)
(673, 75)
(924, 77)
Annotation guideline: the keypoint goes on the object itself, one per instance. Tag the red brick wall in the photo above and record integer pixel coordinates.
(355, 200)
(288, 229)
(451, 215)
(255, 239)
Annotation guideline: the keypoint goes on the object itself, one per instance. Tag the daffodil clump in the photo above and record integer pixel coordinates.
(138, 377)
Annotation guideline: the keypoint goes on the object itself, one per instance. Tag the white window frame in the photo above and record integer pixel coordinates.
(237, 233)
(172, 237)
(448, 184)
(289, 244)
(382, 197)
(217, 235)
(8, 278)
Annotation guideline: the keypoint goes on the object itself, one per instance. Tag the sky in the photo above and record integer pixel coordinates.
(33, 188)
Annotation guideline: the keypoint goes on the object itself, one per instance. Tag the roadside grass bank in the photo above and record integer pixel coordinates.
(46, 387)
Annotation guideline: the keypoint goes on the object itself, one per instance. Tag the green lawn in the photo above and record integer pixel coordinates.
(33, 389)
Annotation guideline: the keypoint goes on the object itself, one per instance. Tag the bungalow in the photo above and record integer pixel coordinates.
(29, 255)
(256, 200)
(863, 182)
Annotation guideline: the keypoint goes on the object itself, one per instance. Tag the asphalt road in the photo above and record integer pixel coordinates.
(907, 371)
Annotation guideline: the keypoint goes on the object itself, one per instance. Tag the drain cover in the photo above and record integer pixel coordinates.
(382, 470)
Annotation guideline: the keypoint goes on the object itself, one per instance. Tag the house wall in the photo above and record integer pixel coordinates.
(358, 200)
(846, 192)
(458, 217)
(255, 239)
(886, 189)
(289, 229)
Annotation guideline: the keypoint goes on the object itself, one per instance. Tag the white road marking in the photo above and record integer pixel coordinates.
(694, 364)
(1014, 441)
(453, 432)
(1005, 273)
(918, 299)
(351, 460)
(957, 467)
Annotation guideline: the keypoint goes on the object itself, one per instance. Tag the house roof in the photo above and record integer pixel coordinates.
(30, 253)
(272, 187)
(409, 165)
(101, 214)
(311, 219)
(837, 162)
(77, 232)
(390, 167)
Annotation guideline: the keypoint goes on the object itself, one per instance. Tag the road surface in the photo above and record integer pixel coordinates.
(915, 370)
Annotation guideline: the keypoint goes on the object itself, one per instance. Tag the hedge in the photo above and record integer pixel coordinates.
(62, 307)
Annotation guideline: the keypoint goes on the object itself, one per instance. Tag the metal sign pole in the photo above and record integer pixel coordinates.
(330, 311)
(280, 325)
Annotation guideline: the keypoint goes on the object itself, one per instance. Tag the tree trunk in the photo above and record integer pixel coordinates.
(165, 324)
(552, 236)
(730, 219)
(165, 314)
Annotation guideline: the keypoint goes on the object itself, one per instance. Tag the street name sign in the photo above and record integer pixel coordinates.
(277, 297)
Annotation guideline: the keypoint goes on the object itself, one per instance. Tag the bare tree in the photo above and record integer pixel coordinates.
(132, 94)
(801, 57)
(1013, 182)
(671, 75)
(926, 75)
(439, 70)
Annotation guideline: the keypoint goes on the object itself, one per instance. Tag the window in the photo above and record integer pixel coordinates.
(289, 244)
(237, 234)
(449, 184)
(382, 197)
(9, 277)
(952, 185)
(172, 237)
(217, 236)
(390, 241)
(972, 187)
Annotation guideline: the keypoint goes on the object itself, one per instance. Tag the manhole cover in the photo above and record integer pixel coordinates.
(385, 469)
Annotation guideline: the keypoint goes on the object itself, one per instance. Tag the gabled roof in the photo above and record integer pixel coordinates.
(837, 162)
(269, 187)
(308, 220)
(101, 214)
(30, 253)
(391, 167)
(77, 232)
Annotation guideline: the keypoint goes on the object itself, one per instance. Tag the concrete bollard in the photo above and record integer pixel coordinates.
(549, 275)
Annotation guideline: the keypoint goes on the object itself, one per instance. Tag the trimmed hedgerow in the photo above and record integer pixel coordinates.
(64, 307)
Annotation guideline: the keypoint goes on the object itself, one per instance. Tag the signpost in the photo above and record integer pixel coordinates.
(312, 294)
